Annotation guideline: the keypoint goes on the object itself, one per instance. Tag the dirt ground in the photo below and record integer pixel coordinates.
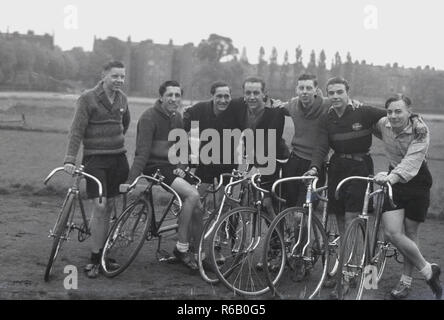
(25, 246)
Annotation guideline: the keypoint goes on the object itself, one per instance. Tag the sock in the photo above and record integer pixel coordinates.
(427, 271)
(95, 257)
(182, 247)
(407, 280)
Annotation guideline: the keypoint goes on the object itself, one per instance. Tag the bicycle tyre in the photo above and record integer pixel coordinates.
(59, 234)
(142, 212)
(379, 244)
(352, 262)
(204, 273)
(235, 247)
(297, 276)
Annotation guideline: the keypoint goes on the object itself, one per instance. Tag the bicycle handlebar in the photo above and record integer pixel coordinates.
(77, 172)
(235, 174)
(253, 182)
(157, 181)
(368, 179)
(277, 182)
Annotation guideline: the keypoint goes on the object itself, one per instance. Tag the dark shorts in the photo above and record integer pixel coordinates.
(207, 173)
(111, 170)
(413, 196)
(351, 197)
(295, 192)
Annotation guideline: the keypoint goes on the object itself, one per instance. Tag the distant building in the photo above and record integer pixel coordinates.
(45, 40)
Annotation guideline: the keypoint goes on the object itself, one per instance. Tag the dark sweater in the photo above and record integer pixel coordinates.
(99, 124)
(350, 133)
(272, 118)
(152, 143)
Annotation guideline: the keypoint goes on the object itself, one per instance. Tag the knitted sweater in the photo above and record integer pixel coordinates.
(99, 124)
(152, 143)
(306, 125)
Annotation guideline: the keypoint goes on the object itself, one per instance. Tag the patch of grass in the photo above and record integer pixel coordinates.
(4, 191)
(49, 191)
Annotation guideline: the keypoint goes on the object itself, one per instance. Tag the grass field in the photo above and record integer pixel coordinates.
(26, 157)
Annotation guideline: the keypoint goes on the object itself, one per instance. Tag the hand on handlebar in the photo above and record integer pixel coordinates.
(69, 168)
(123, 188)
(312, 172)
(179, 172)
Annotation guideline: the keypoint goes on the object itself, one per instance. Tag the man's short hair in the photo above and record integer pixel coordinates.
(218, 84)
(113, 64)
(398, 97)
(169, 83)
(307, 76)
(254, 80)
(338, 80)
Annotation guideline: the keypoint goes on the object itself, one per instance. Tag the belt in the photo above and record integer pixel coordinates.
(353, 156)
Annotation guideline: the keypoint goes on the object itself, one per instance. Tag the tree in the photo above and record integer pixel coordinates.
(244, 58)
(322, 70)
(298, 67)
(262, 63)
(215, 48)
(311, 67)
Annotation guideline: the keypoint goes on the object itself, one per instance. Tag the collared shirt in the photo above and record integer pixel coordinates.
(404, 152)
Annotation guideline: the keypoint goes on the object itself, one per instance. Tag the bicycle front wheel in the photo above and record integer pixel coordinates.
(352, 262)
(297, 257)
(236, 249)
(60, 233)
(126, 237)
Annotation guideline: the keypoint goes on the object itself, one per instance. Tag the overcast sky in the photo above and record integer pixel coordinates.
(407, 32)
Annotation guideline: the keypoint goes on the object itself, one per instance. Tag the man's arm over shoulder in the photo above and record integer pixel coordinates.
(145, 133)
(374, 113)
(77, 131)
(322, 144)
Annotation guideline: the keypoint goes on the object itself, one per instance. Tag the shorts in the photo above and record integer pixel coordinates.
(111, 170)
(351, 197)
(207, 173)
(295, 192)
(166, 170)
(413, 196)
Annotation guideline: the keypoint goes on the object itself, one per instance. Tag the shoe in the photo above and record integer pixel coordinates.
(401, 291)
(111, 264)
(299, 271)
(434, 282)
(92, 270)
(329, 283)
(187, 258)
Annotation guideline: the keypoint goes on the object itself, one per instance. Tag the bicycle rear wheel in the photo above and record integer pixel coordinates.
(126, 237)
(60, 234)
(238, 236)
(295, 273)
(352, 262)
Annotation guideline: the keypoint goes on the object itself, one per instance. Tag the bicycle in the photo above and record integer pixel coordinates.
(214, 216)
(138, 223)
(364, 251)
(297, 247)
(64, 224)
(237, 236)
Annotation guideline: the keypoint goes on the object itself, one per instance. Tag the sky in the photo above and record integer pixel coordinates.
(407, 32)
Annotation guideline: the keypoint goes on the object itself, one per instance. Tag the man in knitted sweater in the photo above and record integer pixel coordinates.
(101, 119)
(152, 151)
